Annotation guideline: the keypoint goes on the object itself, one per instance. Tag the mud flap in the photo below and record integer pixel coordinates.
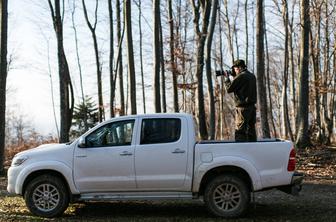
(296, 185)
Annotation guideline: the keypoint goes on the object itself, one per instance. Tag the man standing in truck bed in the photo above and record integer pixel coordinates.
(244, 89)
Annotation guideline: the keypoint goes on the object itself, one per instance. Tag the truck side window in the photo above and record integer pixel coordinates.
(160, 130)
(112, 134)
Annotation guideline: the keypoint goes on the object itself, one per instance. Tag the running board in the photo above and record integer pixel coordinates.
(136, 196)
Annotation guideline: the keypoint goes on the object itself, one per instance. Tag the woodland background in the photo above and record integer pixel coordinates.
(161, 56)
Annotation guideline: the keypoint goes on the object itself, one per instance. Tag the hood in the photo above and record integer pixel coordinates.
(44, 148)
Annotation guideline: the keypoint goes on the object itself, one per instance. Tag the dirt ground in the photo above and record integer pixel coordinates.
(316, 202)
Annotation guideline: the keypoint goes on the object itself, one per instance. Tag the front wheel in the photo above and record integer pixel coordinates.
(227, 196)
(46, 196)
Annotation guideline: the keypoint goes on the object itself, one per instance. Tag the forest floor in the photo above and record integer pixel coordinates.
(316, 202)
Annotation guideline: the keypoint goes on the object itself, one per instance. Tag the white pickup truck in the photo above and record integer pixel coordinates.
(151, 157)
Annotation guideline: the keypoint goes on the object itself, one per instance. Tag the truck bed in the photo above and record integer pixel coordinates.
(233, 141)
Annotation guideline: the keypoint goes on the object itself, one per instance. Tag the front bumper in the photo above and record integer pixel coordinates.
(296, 184)
(12, 175)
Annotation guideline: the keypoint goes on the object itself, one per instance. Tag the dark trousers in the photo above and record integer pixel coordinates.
(245, 124)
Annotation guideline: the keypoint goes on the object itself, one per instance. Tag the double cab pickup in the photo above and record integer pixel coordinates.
(151, 157)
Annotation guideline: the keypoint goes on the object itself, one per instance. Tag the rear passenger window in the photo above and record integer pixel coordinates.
(160, 130)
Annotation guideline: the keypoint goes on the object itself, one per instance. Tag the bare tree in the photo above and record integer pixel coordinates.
(162, 66)
(120, 60)
(92, 28)
(130, 55)
(111, 57)
(229, 31)
(52, 89)
(261, 70)
(205, 6)
(66, 90)
(302, 139)
(141, 59)
(270, 110)
(73, 11)
(212, 111)
(172, 55)
(246, 33)
(156, 55)
(328, 110)
(3, 78)
(285, 118)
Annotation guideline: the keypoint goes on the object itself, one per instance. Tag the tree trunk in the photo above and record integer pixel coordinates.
(52, 90)
(292, 73)
(111, 56)
(229, 33)
(66, 90)
(130, 56)
(261, 70)
(246, 33)
(77, 51)
(101, 113)
(327, 114)
(172, 55)
(303, 139)
(120, 60)
(200, 41)
(162, 66)
(141, 60)
(3, 78)
(156, 55)
(270, 110)
(285, 117)
(212, 111)
(222, 87)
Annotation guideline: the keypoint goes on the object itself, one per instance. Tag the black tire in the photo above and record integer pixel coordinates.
(227, 196)
(47, 196)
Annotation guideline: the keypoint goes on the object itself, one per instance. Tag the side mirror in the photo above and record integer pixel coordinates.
(82, 142)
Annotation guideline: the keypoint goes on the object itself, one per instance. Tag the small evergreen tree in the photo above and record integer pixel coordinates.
(85, 117)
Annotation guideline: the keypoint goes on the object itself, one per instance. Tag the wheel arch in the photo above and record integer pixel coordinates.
(48, 172)
(225, 170)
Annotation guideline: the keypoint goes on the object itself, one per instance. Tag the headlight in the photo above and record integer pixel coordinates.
(17, 161)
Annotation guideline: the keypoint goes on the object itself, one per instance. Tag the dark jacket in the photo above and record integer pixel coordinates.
(244, 88)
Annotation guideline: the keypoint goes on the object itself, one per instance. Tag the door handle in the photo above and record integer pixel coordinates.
(178, 151)
(81, 156)
(126, 153)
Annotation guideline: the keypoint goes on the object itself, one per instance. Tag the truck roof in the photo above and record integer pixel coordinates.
(154, 115)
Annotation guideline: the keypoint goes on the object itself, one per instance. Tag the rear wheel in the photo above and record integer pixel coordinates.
(227, 196)
(47, 196)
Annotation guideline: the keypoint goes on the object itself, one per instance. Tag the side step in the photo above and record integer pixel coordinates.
(136, 196)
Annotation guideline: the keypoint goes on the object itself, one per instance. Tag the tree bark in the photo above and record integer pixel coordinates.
(111, 57)
(3, 78)
(285, 116)
(162, 66)
(156, 55)
(141, 60)
(130, 56)
(292, 72)
(270, 110)
(262, 98)
(327, 112)
(200, 41)
(229, 33)
(212, 111)
(303, 139)
(172, 55)
(120, 60)
(66, 89)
